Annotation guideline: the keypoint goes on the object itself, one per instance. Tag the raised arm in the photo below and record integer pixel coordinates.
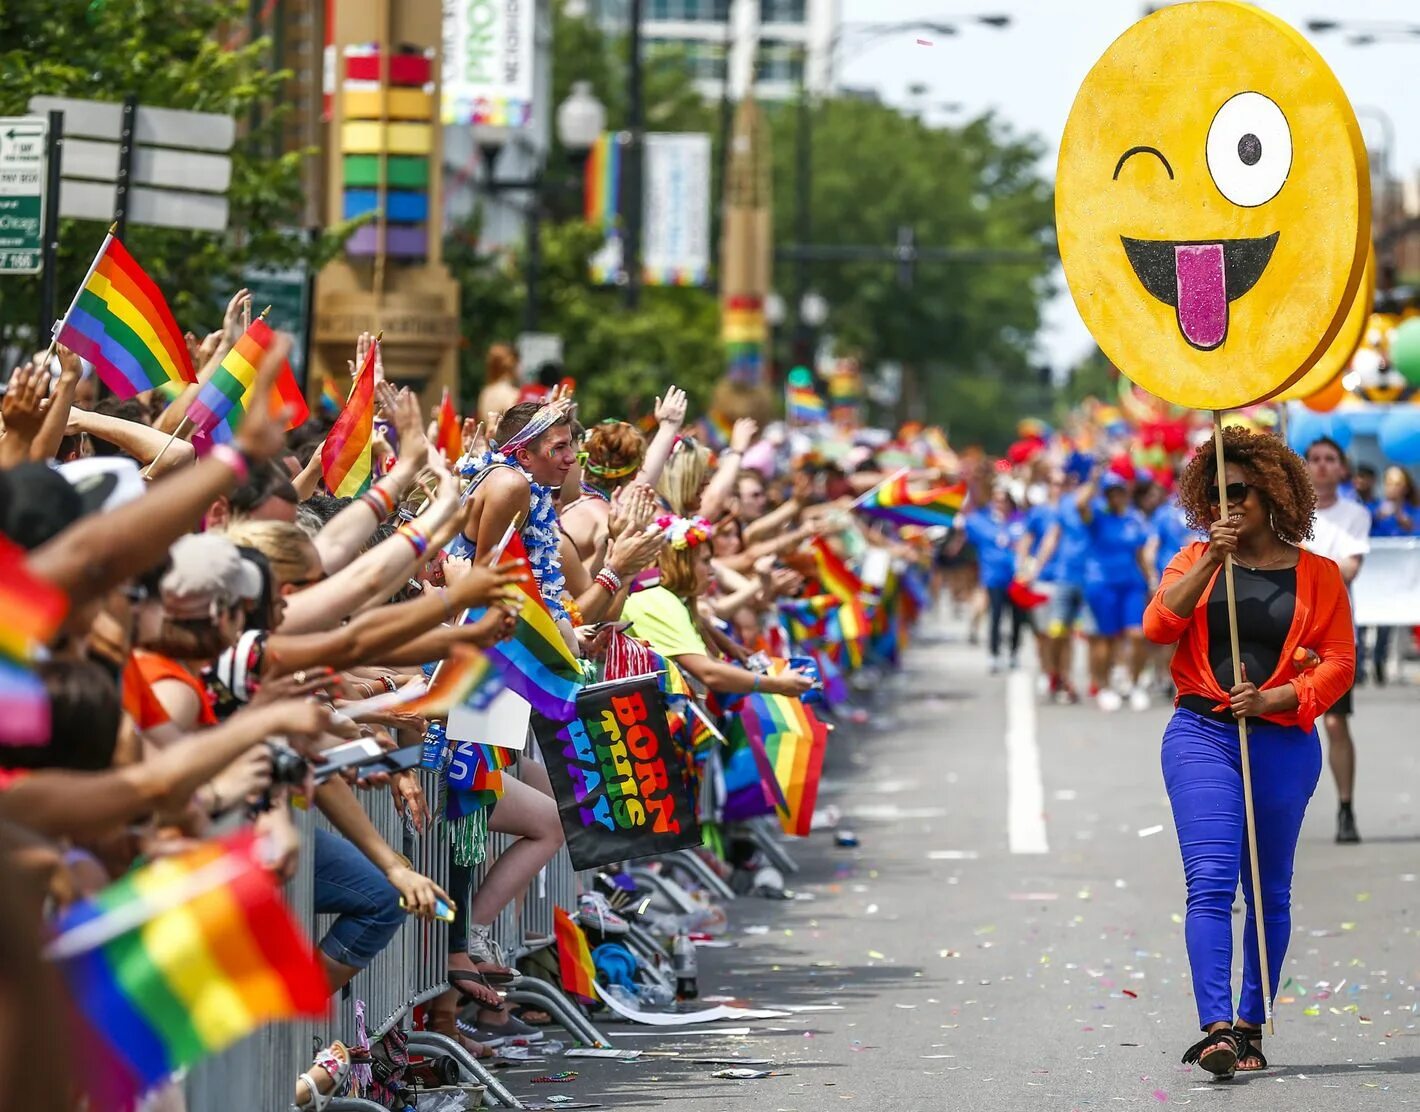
(61, 398)
(140, 441)
(721, 489)
(670, 415)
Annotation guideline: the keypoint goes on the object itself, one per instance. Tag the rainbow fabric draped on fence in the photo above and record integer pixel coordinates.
(120, 323)
(180, 959)
(224, 399)
(536, 662)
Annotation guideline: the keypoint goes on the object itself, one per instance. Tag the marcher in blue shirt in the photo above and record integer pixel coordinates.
(1393, 515)
(1117, 581)
(994, 531)
(1052, 564)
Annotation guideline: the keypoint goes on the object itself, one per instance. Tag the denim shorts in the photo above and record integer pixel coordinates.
(350, 886)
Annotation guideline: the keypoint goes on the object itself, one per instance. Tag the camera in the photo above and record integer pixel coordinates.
(288, 768)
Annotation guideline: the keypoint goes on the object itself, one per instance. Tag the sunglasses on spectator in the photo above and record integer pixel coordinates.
(1237, 493)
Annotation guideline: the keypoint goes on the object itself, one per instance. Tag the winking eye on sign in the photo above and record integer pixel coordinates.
(1212, 204)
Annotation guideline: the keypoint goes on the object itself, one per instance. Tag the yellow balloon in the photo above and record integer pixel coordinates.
(1348, 339)
(1212, 204)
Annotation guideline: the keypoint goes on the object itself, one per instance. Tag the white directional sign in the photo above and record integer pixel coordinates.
(22, 147)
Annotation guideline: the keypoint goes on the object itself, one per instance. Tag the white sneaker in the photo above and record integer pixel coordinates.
(595, 913)
(1139, 699)
(994, 668)
(1042, 685)
(1109, 700)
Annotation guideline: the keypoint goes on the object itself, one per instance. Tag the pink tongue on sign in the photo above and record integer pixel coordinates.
(1202, 294)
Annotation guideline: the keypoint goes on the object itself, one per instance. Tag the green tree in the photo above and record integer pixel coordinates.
(168, 54)
(963, 330)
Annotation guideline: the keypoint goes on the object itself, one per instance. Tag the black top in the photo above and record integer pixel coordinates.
(1267, 600)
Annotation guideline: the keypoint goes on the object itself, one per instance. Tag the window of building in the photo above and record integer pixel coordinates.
(780, 61)
(689, 11)
(781, 11)
(705, 60)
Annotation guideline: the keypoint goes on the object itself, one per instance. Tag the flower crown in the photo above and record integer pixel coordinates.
(684, 532)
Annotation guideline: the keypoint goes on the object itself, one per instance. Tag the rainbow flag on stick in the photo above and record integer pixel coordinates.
(31, 611)
(804, 406)
(575, 967)
(794, 742)
(449, 438)
(894, 502)
(467, 676)
(346, 458)
(224, 399)
(120, 323)
(180, 959)
(536, 662)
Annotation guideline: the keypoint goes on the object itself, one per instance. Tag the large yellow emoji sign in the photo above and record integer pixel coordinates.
(1212, 204)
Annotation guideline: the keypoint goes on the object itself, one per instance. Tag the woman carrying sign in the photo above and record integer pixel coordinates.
(1292, 607)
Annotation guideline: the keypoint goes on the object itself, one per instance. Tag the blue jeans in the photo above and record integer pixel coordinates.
(1203, 775)
(349, 885)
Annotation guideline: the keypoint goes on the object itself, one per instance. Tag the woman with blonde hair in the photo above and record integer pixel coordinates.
(500, 387)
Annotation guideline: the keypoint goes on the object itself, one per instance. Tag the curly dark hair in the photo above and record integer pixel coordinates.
(1275, 471)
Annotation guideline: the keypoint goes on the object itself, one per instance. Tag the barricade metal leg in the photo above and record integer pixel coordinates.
(666, 887)
(691, 862)
(647, 941)
(534, 990)
(355, 1104)
(773, 849)
(431, 1042)
(649, 952)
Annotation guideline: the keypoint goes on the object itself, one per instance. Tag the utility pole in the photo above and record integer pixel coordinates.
(631, 179)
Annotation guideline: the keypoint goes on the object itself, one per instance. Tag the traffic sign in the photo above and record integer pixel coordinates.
(22, 147)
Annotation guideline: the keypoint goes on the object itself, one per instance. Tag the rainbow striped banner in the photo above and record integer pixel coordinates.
(120, 323)
(180, 959)
(347, 457)
(224, 399)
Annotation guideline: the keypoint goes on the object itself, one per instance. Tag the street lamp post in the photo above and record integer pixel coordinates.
(630, 194)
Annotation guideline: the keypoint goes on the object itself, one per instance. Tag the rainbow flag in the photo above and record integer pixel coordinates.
(224, 399)
(575, 967)
(536, 662)
(809, 611)
(449, 438)
(346, 458)
(31, 612)
(836, 577)
(803, 406)
(331, 400)
(182, 958)
(893, 501)
(794, 741)
(120, 323)
(467, 676)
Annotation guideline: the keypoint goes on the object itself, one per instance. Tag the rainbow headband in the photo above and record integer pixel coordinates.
(684, 532)
(544, 419)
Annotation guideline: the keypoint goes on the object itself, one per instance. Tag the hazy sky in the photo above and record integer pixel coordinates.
(1029, 72)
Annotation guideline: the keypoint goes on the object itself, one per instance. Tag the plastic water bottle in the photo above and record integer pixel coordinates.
(683, 959)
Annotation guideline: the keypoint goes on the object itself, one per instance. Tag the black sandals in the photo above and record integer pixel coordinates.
(1252, 1048)
(1218, 1052)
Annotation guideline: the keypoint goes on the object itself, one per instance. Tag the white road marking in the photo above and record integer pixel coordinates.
(1025, 794)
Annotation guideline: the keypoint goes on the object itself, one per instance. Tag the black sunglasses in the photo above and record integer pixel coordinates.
(1237, 494)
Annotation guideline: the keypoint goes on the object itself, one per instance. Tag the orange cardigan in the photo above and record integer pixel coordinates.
(1321, 622)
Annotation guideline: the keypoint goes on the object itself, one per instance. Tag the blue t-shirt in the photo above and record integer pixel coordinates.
(1114, 543)
(1171, 527)
(1074, 543)
(1384, 524)
(995, 544)
(1038, 522)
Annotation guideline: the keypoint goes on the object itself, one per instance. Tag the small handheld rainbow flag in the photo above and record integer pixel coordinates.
(346, 458)
(802, 403)
(575, 967)
(224, 399)
(449, 438)
(120, 323)
(181, 958)
(31, 611)
(893, 501)
(794, 742)
(467, 677)
(536, 662)
(836, 577)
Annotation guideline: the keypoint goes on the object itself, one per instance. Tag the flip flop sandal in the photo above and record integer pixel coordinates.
(1252, 1048)
(474, 988)
(1217, 1053)
(335, 1060)
(534, 1017)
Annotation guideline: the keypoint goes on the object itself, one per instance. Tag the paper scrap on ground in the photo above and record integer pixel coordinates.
(952, 855)
(742, 1074)
(602, 1052)
(705, 1015)
(1150, 831)
(679, 1034)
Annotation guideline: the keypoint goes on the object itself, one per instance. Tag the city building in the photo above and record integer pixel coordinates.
(770, 40)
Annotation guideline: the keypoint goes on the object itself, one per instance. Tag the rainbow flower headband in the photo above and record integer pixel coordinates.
(684, 532)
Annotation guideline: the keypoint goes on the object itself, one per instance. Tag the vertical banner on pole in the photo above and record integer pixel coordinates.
(676, 248)
(488, 62)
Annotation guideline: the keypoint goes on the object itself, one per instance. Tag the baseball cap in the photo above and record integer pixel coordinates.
(206, 570)
(1111, 479)
(38, 502)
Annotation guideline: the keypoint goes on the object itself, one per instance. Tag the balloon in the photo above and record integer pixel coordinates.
(1400, 435)
(1405, 350)
(1327, 398)
(1305, 427)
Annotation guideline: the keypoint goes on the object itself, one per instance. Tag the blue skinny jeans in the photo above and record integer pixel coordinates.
(1203, 774)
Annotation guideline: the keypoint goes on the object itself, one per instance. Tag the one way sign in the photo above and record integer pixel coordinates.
(22, 147)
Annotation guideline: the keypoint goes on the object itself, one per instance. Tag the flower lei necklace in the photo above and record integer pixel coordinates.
(540, 533)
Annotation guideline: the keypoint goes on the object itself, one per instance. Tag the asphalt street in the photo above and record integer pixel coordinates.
(936, 968)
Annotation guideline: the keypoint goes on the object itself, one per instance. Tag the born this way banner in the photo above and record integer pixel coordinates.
(619, 778)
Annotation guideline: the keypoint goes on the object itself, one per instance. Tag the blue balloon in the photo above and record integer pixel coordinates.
(1400, 435)
(1364, 422)
(1305, 427)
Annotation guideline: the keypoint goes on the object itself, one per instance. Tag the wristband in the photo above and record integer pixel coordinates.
(417, 539)
(757, 678)
(232, 459)
(609, 579)
(378, 501)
